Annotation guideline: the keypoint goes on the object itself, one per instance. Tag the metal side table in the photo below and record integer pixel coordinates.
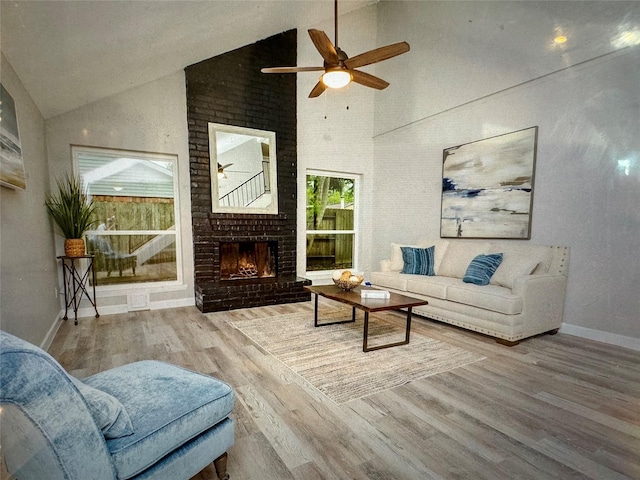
(75, 277)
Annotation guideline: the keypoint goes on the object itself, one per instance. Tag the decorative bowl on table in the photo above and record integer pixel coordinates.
(345, 280)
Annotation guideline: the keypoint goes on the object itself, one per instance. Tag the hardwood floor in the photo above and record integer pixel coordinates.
(552, 407)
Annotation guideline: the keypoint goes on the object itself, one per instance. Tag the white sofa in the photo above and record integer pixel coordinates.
(525, 296)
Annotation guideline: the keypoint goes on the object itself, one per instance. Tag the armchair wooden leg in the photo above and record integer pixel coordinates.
(221, 466)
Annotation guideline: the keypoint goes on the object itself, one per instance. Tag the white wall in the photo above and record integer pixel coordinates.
(28, 303)
(588, 114)
(335, 129)
(149, 118)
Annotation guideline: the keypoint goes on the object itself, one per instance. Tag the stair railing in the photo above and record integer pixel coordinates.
(246, 193)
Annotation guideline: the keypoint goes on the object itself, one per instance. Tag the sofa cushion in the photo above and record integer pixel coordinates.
(164, 425)
(519, 260)
(395, 280)
(109, 414)
(435, 287)
(418, 261)
(458, 256)
(488, 297)
(481, 268)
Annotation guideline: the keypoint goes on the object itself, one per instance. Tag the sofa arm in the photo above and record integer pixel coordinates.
(543, 297)
(527, 283)
(385, 266)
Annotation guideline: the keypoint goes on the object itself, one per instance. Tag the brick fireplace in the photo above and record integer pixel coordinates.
(230, 89)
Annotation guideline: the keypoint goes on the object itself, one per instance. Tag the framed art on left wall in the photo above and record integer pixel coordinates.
(487, 187)
(11, 165)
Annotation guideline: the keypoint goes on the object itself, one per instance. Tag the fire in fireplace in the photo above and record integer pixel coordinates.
(243, 260)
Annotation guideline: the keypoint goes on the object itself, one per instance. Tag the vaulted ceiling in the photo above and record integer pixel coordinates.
(70, 53)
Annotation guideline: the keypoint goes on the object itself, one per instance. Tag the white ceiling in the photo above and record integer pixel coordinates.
(70, 53)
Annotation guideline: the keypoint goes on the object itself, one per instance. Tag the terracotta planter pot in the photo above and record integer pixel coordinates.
(74, 247)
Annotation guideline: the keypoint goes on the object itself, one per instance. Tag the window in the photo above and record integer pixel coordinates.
(136, 236)
(331, 233)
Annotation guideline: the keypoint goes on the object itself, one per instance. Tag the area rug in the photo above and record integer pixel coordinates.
(330, 358)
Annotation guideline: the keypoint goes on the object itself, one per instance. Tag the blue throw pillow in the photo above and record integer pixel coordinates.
(482, 268)
(418, 261)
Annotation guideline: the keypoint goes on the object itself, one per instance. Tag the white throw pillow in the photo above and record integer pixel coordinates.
(441, 248)
(396, 257)
(519, 259)
(512, 267)
(458, 256)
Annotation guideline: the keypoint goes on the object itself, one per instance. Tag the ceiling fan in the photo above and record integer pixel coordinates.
(339, 69)
(221, 168)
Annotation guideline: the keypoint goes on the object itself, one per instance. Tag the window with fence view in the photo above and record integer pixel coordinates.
(330, 222)
(134, 240)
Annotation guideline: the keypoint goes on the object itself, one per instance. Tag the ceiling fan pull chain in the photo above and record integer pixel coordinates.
(324, 106)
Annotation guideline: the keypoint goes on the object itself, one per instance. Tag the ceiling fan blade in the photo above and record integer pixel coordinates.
(368, 80)
(291, 69)
(377, 55)
(324, 46)
(318, 89)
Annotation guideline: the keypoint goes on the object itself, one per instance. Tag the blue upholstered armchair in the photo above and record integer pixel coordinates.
(145, 420)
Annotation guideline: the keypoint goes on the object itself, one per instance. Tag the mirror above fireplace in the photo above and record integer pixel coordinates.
(243, 170)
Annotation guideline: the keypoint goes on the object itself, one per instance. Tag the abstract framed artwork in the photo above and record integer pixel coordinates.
(487, 187)
(11, 165)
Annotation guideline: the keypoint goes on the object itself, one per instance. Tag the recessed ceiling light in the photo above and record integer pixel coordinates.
(560, 39)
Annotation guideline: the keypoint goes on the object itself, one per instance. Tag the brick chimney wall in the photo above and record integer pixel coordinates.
(230, 89)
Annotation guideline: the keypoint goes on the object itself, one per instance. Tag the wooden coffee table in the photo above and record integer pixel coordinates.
(367, 305)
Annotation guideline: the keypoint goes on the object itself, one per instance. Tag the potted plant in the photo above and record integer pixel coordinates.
(71, 210)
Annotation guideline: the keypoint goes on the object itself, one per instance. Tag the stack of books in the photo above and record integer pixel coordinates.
(374, 293)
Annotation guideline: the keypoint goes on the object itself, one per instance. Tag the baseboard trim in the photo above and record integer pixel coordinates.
(600, 336)
(51, 334)
(123, 308)
(183, 302)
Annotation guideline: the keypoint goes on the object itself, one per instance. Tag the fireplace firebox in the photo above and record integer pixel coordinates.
(246, 260)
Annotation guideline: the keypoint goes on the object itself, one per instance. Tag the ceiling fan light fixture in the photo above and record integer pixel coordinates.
(339, 69)
(337, 78)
